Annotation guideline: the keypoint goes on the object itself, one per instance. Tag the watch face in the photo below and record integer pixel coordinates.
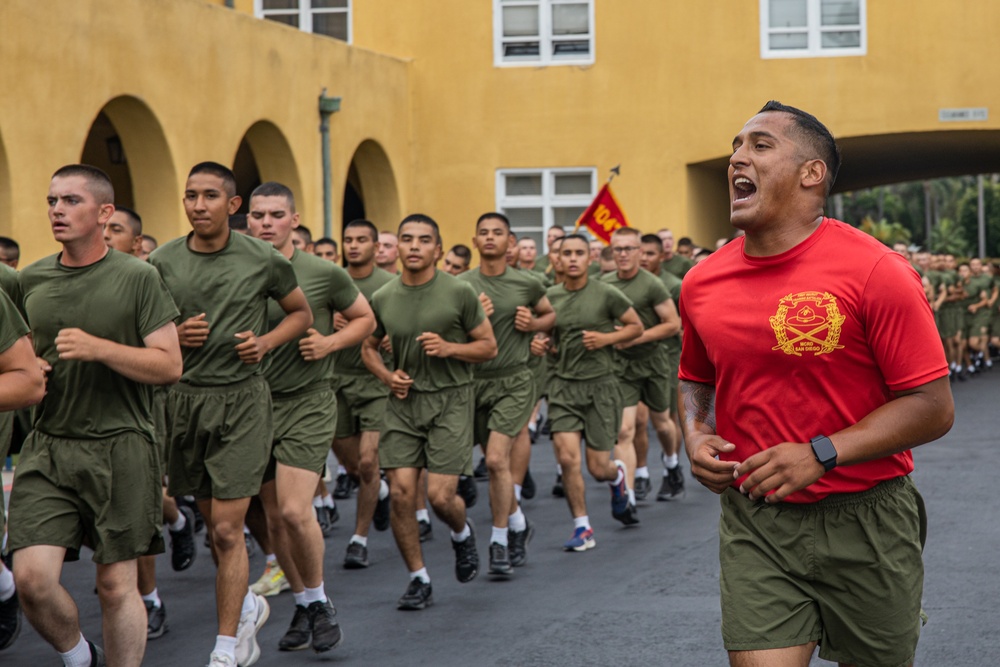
(824, 451)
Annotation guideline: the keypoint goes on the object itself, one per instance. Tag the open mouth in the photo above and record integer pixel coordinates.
(743, 189)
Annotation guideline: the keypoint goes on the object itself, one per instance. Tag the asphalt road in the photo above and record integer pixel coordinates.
(645, 595)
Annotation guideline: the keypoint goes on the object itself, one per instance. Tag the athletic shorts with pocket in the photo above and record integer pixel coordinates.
(360, 404)
(104, 494)
(430, 430)
(505, 400)
(304, 423)
(220, 439)
(592, 407)
(846, 571)
(646, 380)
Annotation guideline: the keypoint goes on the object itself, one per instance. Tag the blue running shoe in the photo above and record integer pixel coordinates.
(619, 493)
(583, 539)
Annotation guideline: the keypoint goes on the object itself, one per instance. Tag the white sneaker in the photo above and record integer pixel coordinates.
(220, 660)
(247, 648)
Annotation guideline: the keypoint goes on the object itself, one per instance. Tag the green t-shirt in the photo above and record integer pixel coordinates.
(948, 279)
(445, 306)
(975, 287)
(595, 307)
(328, 289)
(673, 285)
(13, 326)
(119, 298)
(508, 291)
(678, 265)
(933, 277)
(541, 264)
(646, 292)
(10, 283)
(231, 286)
(349, 359)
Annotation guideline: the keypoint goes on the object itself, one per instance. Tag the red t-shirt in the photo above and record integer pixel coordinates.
(807, 343)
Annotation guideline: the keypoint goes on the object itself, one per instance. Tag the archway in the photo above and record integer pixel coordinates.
(6, 213)
(265, 155)
(127, 141)
(370, 190)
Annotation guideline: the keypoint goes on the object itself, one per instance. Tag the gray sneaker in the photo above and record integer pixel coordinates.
(356, 557)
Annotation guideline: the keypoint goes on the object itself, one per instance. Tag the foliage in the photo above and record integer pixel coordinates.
(968, 218)
(886, 232)
(947, 239)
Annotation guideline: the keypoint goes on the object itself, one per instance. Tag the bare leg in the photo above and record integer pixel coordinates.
(170, 511)
(146, 574)
(370, 481)
(641, 438)
(277, 531)
(256, 521)
(403, 489)
(567, 449)
(123, 613)
(625, 449)
(46, 604)
(302, 537)
(442, 492)
(520, 457)
(793, 656)
(498, 462)
(225, 521)
(601, 466)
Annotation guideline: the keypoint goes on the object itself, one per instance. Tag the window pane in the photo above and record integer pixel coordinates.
(841, 40)
(526, 185)
(328, 4)
(332, 24)
(287, 19)
(521, 50)
(571, 49)
(788, 40)
(532, 233)
(526, 218)
(787, 14)
(573, 184)
(520, 21)
(567, 216)
(570, 20)
(840, 12)
(280, 4)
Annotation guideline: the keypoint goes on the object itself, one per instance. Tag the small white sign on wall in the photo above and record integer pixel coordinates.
(964, 114)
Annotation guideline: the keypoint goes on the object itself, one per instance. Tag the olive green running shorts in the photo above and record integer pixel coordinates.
(104, 494)
(593, 407)
(646, 380)
(220, 439)
(951, 320)
(6, 433)
(846, 571)
(505, 400)
(674, 361)
(160, 432)
(430, 430)
(360, 404)
(540, 371)
(304, 422)
(978, 324)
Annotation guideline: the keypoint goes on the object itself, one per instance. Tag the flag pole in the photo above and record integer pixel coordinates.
(615, 171)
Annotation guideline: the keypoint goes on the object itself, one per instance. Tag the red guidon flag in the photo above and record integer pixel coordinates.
(603, 216)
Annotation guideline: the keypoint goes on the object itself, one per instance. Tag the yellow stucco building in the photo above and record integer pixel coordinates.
(456, 107)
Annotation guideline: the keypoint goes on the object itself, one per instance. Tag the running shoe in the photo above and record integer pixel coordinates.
(467, 489)
(356, 557)
(583, 539)
(418, 595)
(466, 556)
(326, 632)
(323, 518)
(344, 487)
(500, 564)
(10, 621)
(673, 485)
(642, 488)
(381, 517)
(298, 635)
(481, 473)
(220, 660)
(272, 582)
(182, 547)
(528, 486)
(156, 620)
(426, 530)
(619, 495)
(96, 655)
(557, 488)
(247, 648)
(517, 544)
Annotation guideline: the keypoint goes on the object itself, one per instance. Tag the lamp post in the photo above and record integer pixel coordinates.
(327, 107)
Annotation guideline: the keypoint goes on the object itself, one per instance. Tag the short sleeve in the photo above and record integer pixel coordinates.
(899, 326)
(618, 304)
(283, 281)
(343, 291)
(658, 292)
(695, 366)
(472, 312)
(12, 326)
(156, 306)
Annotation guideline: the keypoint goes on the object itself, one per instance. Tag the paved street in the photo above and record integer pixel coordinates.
(647, 595)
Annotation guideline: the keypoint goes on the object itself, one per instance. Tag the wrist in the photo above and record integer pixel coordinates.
(824, 451)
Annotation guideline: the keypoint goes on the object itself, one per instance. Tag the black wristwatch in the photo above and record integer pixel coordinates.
(824, 451)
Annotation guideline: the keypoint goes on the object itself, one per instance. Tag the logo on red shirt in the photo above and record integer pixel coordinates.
(807, 322)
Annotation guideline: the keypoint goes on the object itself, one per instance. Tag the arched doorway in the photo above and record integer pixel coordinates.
(6, 213)
(127, 141)
(370, 191)
(265, 155)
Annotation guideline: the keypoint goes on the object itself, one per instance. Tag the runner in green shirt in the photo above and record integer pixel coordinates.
(220, 414)
(102, 327)
(670, 261)
(438, 330)
(516, 304)
(979, 287)
(646, 372)
(584, 397)
(305, 415)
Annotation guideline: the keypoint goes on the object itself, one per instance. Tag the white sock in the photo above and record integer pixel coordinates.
(517, 522)
(558, 469)
(360, 539)
(498, 536)
(462, 536)
(642, 472)
(341, 470)
(581, 521)
(6, 584)
(517, 492)
(178, 525)
(271, 559)
(78, 656)
(423, 515)
(671, 461)
(249, 603)
(300, 599)
(631, 496)
(153, 597)
(619, 477)
(328, 501)
(317, 502)
(422, 575)
(226, 646)
(317, 594)
(383, 490)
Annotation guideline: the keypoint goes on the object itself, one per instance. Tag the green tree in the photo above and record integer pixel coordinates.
(886, 232)
(947, 239)
(968, 218)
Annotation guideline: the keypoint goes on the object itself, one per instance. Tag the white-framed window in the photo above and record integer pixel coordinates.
(322, 17)
(812, 28)
(543, 32)
(536, 199)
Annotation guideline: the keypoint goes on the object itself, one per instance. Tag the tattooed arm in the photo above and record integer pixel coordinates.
(697, 418)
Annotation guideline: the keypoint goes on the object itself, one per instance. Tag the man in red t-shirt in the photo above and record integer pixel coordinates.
(810, 366)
